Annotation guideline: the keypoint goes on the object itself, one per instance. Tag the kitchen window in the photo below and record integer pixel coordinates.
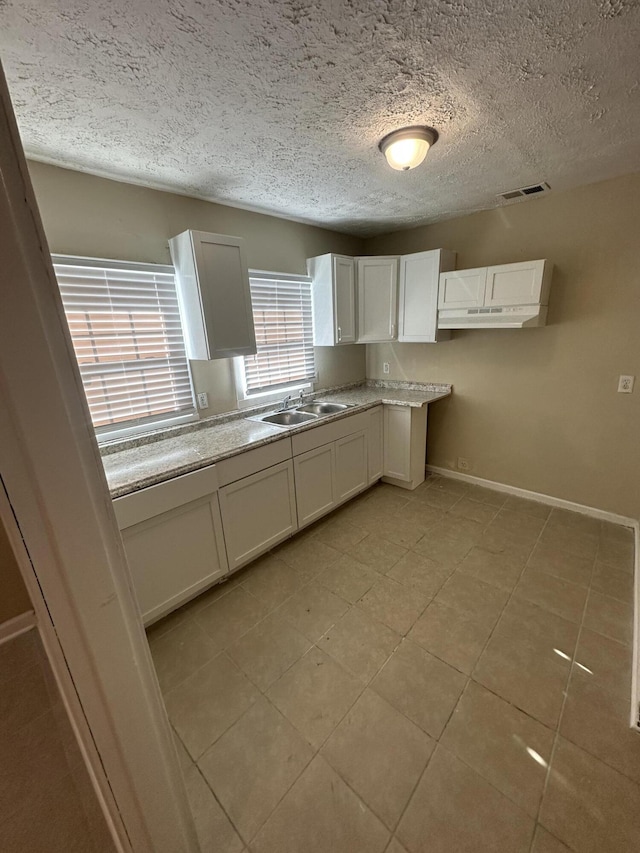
(127, 334)
(284, 361)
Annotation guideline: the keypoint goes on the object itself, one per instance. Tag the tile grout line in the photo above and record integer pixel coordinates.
(317, 751)
(464, 689)
(224, 649)
(367, 684)
(194, 765)
(469, 677)
(270, 613)
(564, 702)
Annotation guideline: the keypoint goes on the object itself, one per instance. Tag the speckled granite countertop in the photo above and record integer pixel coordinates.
(151, 459)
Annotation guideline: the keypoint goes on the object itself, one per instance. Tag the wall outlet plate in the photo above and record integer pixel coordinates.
(203, 400)
(625, 384)
(385, 366)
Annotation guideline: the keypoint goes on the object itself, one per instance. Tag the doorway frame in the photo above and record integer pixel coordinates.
(69, 548)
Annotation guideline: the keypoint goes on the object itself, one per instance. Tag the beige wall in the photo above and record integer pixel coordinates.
(47, 801)
(538, 408)
(14, 598)
(535, 408)
(95, 217)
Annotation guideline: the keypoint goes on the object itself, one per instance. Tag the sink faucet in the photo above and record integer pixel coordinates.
(285, 403)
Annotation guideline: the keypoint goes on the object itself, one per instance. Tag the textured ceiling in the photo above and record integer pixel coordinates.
(278, 105)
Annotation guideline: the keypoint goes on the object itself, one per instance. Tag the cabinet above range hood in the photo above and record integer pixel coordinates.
(509, 296)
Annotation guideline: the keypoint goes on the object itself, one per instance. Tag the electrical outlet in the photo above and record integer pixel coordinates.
(625, 384)
(464, 464)
(203, 400)
(385, 366)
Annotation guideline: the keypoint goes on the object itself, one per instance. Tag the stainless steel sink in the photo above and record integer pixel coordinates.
(300, 415)
(287, 418)
(320, 408)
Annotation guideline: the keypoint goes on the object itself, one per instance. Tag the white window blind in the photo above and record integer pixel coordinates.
(127, 334)
(284, 332)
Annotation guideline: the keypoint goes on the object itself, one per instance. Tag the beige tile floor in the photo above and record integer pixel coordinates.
(441, 670)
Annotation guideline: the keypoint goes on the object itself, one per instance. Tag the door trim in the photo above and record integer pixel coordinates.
(76, 572)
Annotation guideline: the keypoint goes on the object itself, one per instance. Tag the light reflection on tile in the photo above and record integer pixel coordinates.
(483, 625)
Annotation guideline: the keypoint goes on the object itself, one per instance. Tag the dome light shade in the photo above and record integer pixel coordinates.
(406, 148)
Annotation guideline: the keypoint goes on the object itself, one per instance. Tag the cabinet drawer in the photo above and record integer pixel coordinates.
(252, 461)
(146, 503)
(319, 435)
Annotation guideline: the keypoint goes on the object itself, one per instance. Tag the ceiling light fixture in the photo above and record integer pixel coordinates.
(406, 148)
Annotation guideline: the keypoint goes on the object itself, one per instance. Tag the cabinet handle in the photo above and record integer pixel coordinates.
(393, 330)
(339, 334)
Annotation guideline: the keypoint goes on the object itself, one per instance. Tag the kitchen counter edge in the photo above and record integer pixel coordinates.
(136, 468)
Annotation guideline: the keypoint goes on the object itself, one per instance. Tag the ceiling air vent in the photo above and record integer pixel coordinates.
(523, 192)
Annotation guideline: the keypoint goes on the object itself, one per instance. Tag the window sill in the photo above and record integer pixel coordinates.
(278, 396)
(107, 437)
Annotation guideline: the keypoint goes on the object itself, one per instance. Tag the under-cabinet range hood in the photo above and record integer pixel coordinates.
(511, 317)
(508, 296)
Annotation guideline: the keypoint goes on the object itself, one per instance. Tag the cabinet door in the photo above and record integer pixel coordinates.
(397, 442)
(377, 299)
(175, 555)
(226, 298)
(462, 288)
(314, 476)
(418, 295)
(514, 284)
(351, 465)
(375, 444)
(344, 300)
(258, 512)
(215, 300)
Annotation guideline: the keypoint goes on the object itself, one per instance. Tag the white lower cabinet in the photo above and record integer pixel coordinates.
(375, 443)
(315, 490)
(183, 535)
(174, 554)
(350, 466)
(405, 445)
(258, 512)
(328, 475)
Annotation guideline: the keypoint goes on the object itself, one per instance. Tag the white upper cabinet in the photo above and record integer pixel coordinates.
(418, 301)
(462, 288)
(334, 300)
(518, 284)
(377, 299)
(215, 300)
(509, 296)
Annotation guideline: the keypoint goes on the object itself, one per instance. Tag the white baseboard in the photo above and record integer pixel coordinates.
(635, 674)
(600, 514)
(12, 628)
